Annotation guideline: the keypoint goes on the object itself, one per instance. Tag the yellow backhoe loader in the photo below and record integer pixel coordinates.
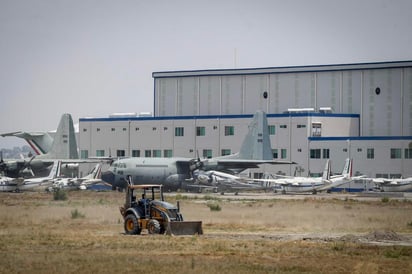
(145, 208)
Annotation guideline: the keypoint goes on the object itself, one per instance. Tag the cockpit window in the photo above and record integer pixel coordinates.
(120, 165)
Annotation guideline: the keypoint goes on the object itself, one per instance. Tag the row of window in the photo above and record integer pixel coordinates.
(229, 130)
(395, 153)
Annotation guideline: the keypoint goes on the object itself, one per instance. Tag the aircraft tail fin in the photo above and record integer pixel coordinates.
(64, 145)
(95, 173)
(347, 169)
(256, 145)
(326, 171)
(55, 170)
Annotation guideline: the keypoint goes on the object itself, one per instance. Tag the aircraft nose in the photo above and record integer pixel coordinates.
(108, 177)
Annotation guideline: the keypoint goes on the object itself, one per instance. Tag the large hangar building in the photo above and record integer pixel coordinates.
(315, 113)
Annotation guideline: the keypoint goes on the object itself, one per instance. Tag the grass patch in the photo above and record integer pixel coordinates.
(214, 206)
(76, 214)
(60, 195)
(385, 199)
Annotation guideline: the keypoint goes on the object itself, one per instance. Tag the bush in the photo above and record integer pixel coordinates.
(214, 206)
(60, 195)
(385, 199)
(77, 214)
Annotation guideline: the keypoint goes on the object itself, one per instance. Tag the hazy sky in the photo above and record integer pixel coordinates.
(96, 57)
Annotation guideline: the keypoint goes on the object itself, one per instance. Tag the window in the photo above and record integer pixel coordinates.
(370, 153)
(113, 129)
(179, 131)
(301, 126)
(316, 129)
(120, 153)
(408, 153)
(283, 153)
(272, 130)
(100, 153)
(325, 153)
(229, 130)
(226, 152)
(85, 129)
(315, 153)
(207, 153)
(396, 153)
(84, 154)
(275, 153)
(167, 153)
(283, 126)
(97, 129)
(200, 131)
(157, 153)
(147, 153)
(135, 153)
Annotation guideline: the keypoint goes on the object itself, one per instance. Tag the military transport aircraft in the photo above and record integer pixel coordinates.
(62, 147)
(178, 173)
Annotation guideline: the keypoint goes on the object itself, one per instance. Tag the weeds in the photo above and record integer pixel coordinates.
(60, 195)
(76, 214)
(385, 199)
(214, 206)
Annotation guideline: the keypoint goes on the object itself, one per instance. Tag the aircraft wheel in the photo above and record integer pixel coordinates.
(131, 225)
(154, 227)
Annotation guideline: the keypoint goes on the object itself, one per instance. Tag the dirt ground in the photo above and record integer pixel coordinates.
(250, 233)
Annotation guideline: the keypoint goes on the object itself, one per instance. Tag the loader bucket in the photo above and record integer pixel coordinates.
(184, 228)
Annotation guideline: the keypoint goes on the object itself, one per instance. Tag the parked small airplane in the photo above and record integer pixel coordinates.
(29, 184)
(177, 173)
(299, 184)
(8, 184)
(393, 185)
(62, 147)
(314, 184)
(93, 177)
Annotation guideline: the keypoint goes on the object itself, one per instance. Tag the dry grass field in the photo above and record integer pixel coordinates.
(309, 234)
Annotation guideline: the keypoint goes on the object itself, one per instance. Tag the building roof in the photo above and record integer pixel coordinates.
(289, 69)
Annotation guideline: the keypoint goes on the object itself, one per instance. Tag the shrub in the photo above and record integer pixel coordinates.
(77, 214)
(60, 195)
(214, 206)
(385, 199)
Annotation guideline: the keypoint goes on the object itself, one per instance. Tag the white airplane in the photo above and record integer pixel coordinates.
(29, 184)
(8, 184)
(346, 178)
(223, 181)
(93, 177)
(393, 185)
(300, 184)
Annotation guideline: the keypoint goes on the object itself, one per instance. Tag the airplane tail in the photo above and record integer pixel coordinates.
(256, 145)
(55, 170)
(64, 144)
(347, 169)
(326, 171)
(95, 173)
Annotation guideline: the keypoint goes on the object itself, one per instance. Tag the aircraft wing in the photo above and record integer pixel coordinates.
(244, 164)
(22, 134)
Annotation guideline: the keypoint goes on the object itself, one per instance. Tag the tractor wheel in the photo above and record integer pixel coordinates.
(153, 227)
(131, 225)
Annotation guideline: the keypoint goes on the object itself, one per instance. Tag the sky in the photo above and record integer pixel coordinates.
(91, 58)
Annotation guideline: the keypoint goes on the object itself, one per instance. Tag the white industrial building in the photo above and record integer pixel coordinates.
(360, 111)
